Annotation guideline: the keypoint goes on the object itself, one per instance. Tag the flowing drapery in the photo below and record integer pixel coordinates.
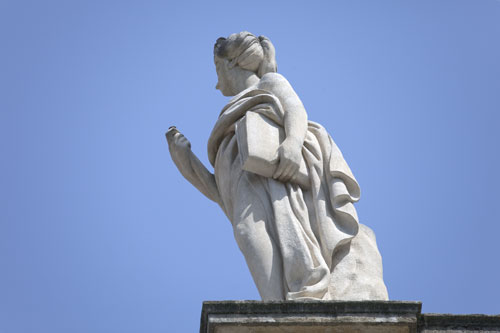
(307, 226)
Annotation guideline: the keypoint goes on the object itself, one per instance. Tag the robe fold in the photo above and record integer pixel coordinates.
(308, 227)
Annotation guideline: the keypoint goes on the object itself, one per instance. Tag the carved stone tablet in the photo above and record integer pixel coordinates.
(258, 141)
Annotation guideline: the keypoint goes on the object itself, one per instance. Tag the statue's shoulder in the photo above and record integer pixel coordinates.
(273, 78)
(275, 83)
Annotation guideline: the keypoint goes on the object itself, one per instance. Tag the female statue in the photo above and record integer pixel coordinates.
(300, 239)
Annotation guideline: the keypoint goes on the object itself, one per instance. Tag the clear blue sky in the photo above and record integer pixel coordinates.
(100, 233)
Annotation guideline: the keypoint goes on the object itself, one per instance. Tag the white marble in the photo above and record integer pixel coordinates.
(283, 183)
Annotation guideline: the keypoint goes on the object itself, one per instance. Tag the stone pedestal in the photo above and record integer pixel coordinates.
(335, 316)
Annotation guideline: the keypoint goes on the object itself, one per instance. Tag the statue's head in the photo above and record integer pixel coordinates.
(241, 54)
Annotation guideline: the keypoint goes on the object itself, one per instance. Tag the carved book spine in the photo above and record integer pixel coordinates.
(258, 142)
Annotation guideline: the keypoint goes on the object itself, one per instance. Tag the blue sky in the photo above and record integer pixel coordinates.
(100, 233)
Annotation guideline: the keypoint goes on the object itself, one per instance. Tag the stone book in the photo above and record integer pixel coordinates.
(258, 142)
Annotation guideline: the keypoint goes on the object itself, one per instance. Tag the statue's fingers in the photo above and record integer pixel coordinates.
(285, 176)
(279, 170)
(290, 172)
(172, 129)
(178, 137)
(171, 132)
(185, 141)
(294, 171)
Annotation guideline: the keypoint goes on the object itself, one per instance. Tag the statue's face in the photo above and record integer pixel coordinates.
(224, 73)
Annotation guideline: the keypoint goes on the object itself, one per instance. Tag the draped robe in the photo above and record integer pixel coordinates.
(308, 227)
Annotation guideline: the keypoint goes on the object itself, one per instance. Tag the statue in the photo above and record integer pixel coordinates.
(283, 184)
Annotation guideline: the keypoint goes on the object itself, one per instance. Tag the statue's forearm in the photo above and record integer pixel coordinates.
(206, 179)
(295, 120)
(198, 175)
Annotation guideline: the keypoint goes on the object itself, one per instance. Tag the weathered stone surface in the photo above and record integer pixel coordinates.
(449, 323)
(336, 316)
(310, 316)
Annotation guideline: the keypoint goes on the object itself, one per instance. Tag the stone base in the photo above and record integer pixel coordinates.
(335, 316)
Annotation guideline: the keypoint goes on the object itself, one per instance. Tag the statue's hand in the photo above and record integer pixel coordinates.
(290, 155)
(179, 146)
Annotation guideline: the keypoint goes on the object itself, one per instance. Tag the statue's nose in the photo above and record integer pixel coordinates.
(217, 86)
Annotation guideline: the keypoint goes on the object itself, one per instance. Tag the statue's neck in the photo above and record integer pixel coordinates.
(244, 80)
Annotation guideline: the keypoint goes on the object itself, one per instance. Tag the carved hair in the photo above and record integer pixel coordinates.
(247, 51)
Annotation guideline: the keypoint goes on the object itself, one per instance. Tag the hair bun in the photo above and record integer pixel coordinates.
(268, 64)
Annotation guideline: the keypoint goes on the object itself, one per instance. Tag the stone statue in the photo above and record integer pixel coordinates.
(283, 184)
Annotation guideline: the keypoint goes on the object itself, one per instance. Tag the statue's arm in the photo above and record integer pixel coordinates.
(295, 117)
(294, 123)
(190, 166)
